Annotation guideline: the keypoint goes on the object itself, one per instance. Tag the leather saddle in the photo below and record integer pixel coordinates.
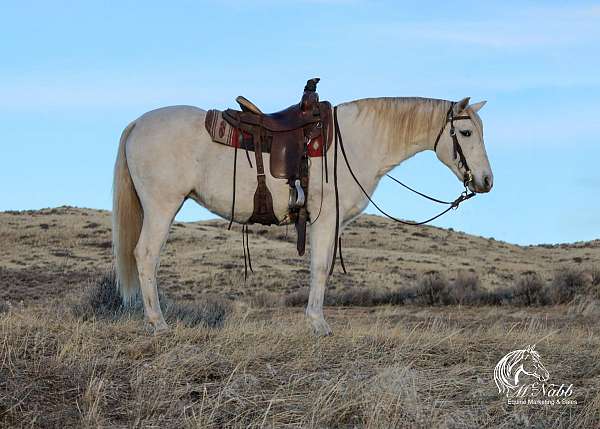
(288, 135)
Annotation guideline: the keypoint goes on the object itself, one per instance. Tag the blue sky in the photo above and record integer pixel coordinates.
(74, 74)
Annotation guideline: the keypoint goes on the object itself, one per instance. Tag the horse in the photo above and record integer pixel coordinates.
(517, 363)
(166, 156)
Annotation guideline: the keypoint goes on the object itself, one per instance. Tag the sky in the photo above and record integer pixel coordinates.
(74, 74)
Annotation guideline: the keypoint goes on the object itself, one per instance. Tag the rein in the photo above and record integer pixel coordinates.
(458, 153)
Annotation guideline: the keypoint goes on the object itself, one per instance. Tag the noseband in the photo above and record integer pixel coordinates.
(457, 149)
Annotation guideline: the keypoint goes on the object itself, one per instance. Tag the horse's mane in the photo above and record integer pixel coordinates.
(405, 119)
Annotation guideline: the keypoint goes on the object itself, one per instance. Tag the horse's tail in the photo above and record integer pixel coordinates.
(127, 219)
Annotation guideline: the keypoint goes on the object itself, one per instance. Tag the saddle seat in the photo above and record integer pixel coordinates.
(292, 118)
(284, 134)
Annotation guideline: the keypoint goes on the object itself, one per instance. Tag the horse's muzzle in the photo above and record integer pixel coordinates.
(482, 185)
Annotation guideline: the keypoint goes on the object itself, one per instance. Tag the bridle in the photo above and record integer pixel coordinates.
(457, 149)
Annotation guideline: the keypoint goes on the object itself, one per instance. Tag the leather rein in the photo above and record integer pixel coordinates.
(458, 153)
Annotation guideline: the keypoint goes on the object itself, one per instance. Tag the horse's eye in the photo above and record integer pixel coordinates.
(466, 133)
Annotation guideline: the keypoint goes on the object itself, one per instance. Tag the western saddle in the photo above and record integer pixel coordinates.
(290, 136)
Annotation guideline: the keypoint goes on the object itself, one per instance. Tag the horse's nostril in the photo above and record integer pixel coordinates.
(487, 182)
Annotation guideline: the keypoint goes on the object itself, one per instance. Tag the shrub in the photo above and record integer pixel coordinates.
(595, 273)
(529, 290)
(296, 299)
(397, 296)
(567, 283)
(499, 296)
(595, 282)
(101, 300)
(431, 289)
(265, 300)
(360, 297)
(584, 306)
(465, 290)
(211, 312)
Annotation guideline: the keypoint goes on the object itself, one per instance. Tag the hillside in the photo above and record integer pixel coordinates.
(51, 252)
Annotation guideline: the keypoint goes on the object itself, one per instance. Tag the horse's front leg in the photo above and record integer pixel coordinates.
(322, 239)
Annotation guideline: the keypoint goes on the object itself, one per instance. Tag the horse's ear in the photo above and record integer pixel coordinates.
(460, 106)
(477, 106)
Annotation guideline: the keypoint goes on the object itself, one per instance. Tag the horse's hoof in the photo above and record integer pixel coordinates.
(321, 328)
(161, 329)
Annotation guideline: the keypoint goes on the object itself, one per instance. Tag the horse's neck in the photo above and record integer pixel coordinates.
(370, 144)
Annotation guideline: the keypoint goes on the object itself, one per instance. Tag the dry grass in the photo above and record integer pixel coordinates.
(389, 368)
(419, 323)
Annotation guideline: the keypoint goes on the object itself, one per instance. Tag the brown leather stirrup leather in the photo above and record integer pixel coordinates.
(263, 200)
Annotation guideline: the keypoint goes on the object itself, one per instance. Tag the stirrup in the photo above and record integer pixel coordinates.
(297, 197)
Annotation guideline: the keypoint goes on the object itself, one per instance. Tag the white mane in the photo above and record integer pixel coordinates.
(403, 119)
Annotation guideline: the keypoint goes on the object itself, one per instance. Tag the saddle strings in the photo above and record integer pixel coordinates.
(233, 198)
(245, 229)
(246, 247)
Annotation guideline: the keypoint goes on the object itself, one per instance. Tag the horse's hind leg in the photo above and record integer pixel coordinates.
(155, 228)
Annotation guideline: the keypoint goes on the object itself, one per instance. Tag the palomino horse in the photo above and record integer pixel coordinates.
(166, 156)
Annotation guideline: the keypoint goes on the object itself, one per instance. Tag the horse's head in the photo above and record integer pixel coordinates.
(532, 365)
(460, 146)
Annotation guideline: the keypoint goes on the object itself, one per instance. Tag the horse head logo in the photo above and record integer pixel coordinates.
(516, 364)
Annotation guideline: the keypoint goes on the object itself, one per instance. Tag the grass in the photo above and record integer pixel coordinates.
(396, 367)
(412, 347)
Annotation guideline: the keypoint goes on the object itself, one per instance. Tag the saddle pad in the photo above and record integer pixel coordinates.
(222, 132)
